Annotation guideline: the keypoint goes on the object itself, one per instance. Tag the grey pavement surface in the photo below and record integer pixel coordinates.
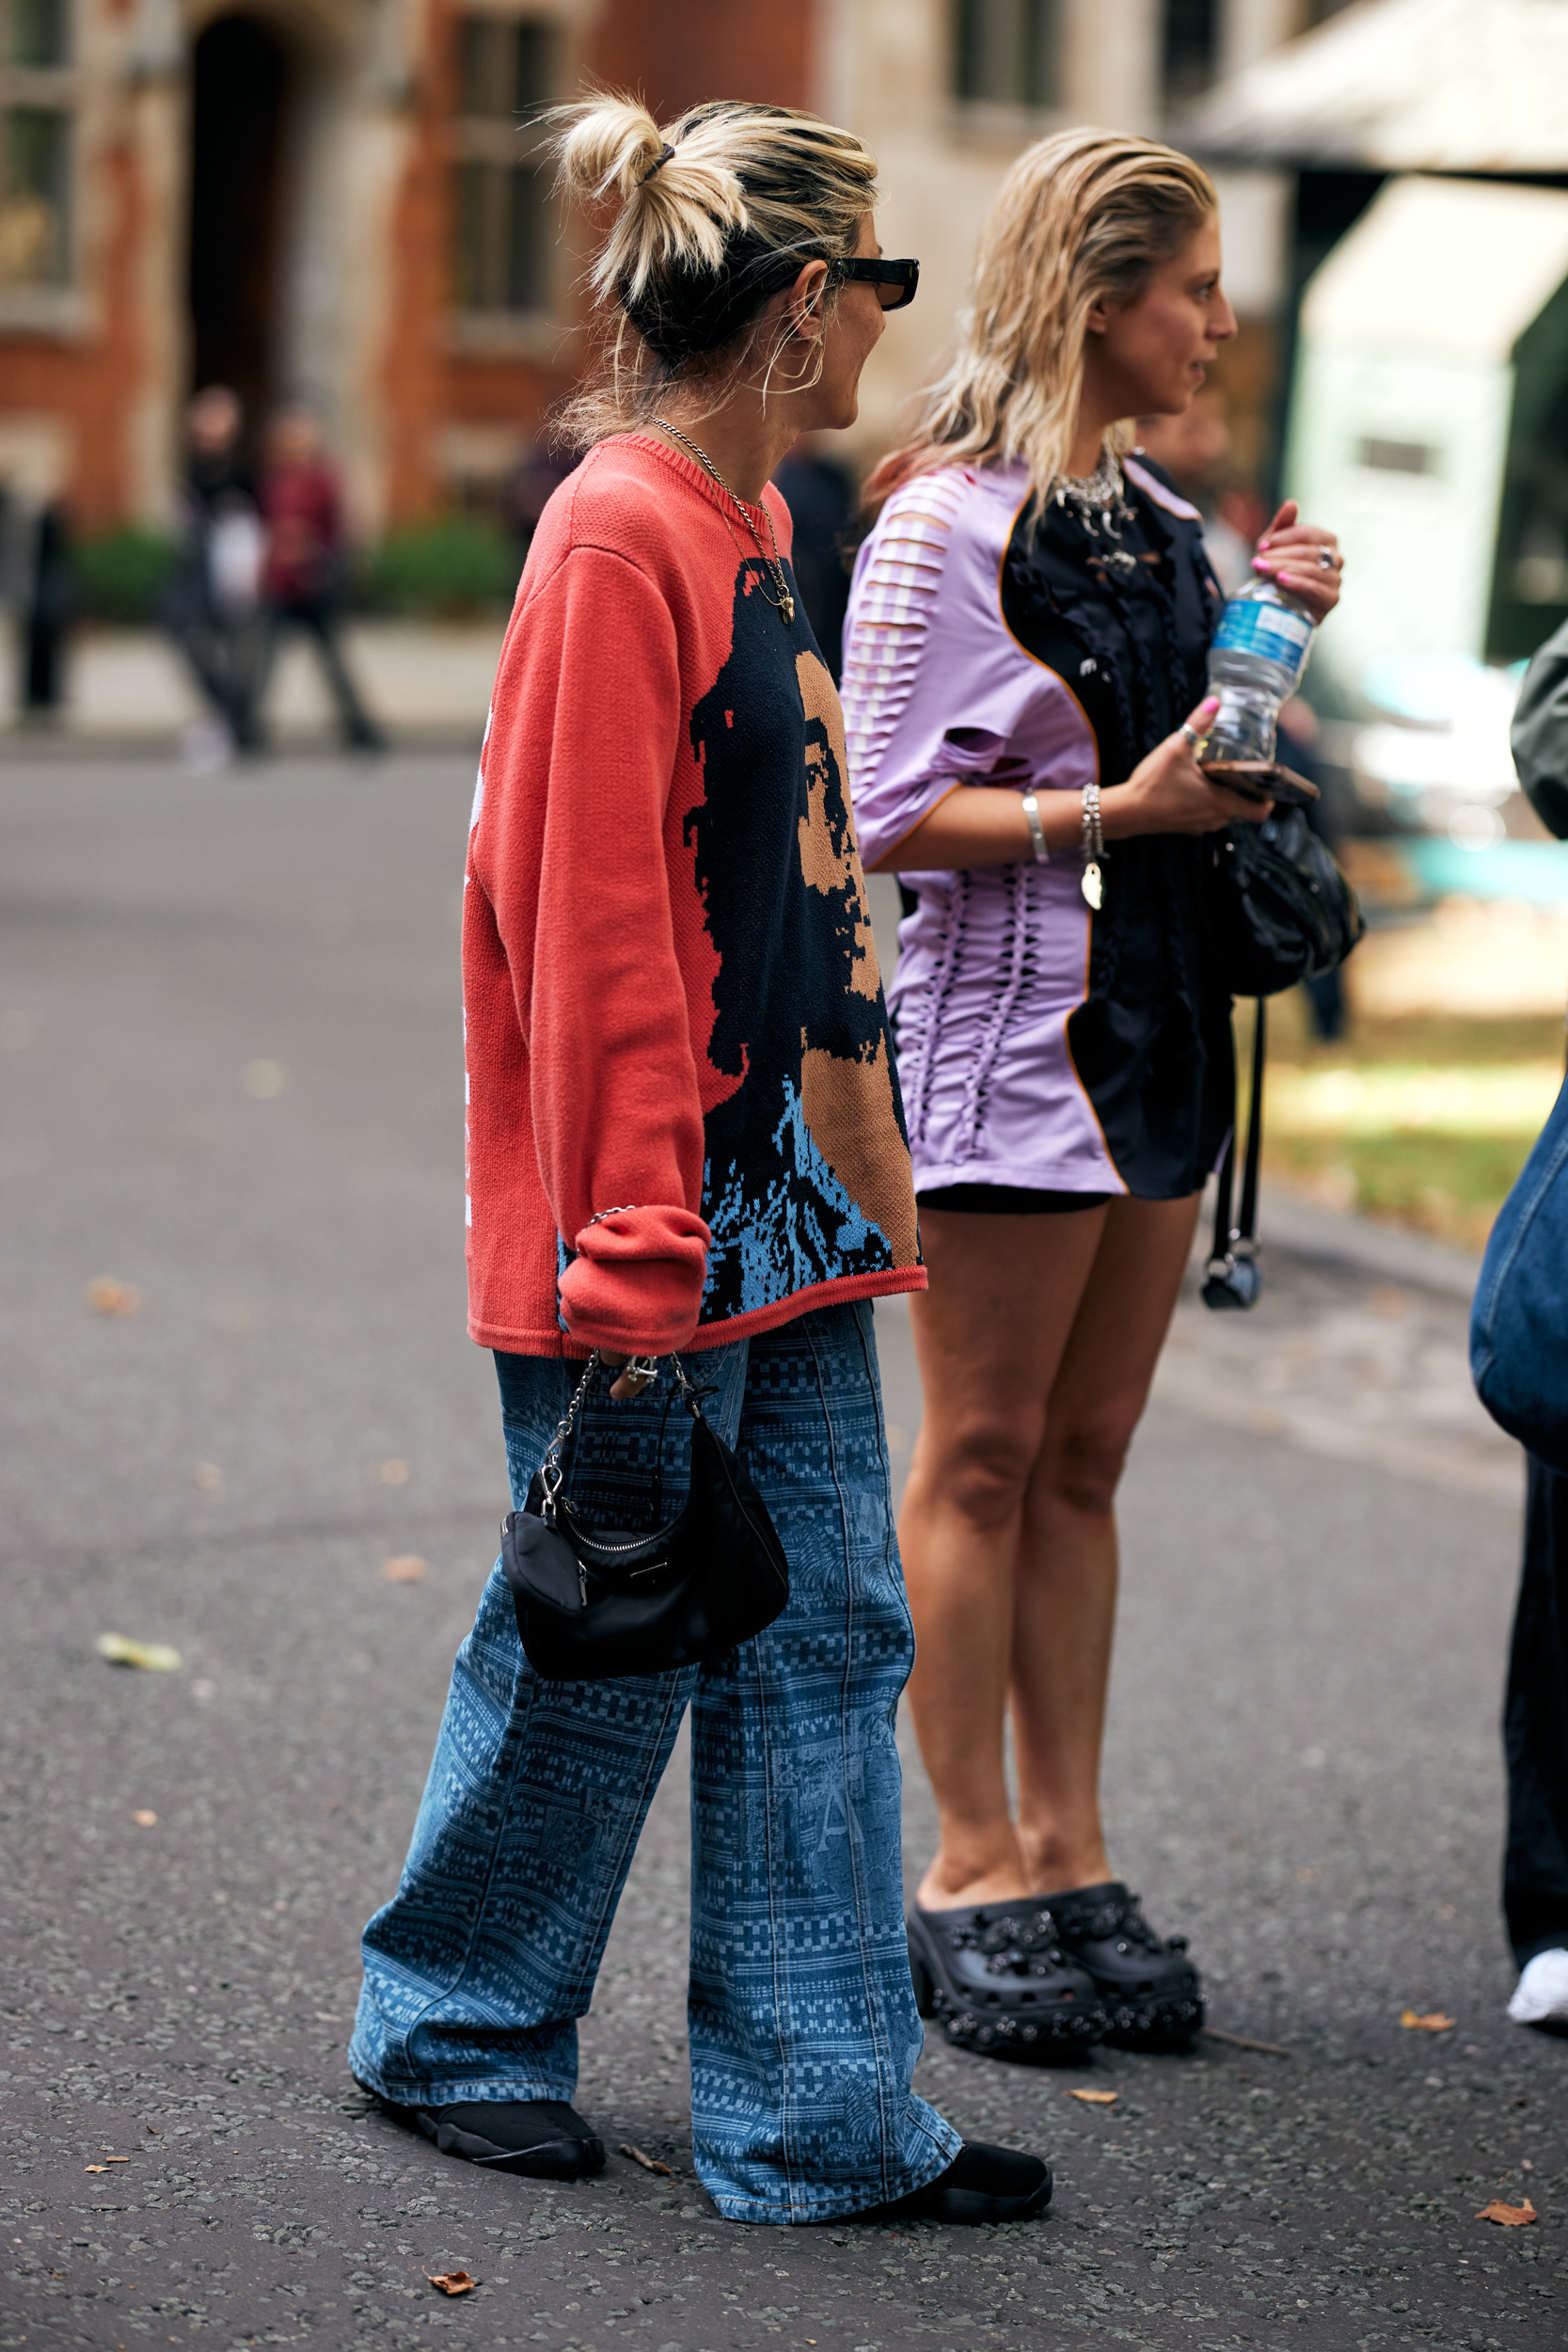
(229, 1040)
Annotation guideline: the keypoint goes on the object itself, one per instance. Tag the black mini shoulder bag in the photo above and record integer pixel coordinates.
(598, 1603)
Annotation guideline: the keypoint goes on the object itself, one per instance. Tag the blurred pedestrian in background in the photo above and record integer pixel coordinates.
(1535, 1715)
(1023, 669)
(1196, 450)
(821, 497)
(303, 575)
(49, 612)
(530, 488)
(212, 606)
(684, 1132)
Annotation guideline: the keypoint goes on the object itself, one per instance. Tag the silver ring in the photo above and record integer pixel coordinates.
(1327, 559)
(1192, 735)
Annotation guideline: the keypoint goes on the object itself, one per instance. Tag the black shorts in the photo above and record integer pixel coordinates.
(1008, 1200)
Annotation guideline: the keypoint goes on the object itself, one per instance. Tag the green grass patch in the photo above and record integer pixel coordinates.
(1450, 1185)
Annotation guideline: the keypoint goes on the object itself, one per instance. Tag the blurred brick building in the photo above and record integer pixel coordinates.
(342, 198)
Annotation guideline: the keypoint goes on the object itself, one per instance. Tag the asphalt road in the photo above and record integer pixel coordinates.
(232, 1081)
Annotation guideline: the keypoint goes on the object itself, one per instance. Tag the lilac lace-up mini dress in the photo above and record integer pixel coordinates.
(1042, 1049)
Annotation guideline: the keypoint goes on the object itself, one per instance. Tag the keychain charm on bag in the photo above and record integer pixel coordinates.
(1093, 883)
(593, 1603)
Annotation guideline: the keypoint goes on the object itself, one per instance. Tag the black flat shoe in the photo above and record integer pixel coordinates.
(1147, 1987)
(982, 2183)
(544, 2139)
(996, 1980)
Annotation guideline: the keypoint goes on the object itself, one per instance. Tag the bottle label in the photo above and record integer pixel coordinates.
(1269, 630)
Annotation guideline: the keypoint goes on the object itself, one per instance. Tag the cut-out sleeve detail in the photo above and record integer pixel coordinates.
(935, 692)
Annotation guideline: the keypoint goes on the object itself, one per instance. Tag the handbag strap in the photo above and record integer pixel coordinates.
(551, 1473)
(1241, 1239)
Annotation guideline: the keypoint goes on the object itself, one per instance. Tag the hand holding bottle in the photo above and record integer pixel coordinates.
(1169, 793)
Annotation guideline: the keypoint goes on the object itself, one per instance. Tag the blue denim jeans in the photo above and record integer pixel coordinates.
(802, 2018)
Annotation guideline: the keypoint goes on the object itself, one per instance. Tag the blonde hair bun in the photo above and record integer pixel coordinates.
(714, 213)
(680, 200)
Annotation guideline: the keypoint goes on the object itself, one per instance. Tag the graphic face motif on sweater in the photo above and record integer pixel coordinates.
(806, 1176)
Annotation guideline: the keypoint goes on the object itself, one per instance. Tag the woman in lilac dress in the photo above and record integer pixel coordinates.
(1023, 690)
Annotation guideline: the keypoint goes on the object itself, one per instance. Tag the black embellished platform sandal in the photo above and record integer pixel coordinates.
(997, 1982)
(1149, 1989)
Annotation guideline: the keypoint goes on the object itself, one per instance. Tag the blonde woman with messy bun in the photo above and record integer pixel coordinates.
(684, 1133)
(1023, 685)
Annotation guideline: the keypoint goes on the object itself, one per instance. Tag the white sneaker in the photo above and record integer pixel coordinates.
(206, 747)
(1541, 1995)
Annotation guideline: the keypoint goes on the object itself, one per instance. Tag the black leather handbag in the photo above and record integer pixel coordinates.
(598, 1602)
(1280, 909)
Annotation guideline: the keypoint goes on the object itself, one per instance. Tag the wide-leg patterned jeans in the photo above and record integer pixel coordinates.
(802, 2025)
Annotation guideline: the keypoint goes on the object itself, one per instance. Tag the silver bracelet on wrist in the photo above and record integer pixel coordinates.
(1037, 831)
(1093, 884)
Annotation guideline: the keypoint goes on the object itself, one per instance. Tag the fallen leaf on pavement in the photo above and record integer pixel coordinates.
(452, 2282)
(144, 1820)
(1096, 2098)
(207, 1476)
(95, 2167)
(394, 1472)
(649, 2164)
(403, 1568)
(1434, 2022)
(154, 1658)
(1509, 2216)
(116, 2159)
(109, 1296)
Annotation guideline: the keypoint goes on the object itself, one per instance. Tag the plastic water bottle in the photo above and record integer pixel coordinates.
(1255, 663)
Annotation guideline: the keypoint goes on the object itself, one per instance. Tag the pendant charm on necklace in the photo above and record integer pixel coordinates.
(1093, 886)
(787, 608)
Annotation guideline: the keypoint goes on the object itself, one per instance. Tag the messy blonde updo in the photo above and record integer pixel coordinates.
(1080, 218)
(716, 213)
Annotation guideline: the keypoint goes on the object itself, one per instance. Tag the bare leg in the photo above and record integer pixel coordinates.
(1066, 1563)
(990, 1335)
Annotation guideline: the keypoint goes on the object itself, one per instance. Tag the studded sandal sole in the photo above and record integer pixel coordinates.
(996, 1983)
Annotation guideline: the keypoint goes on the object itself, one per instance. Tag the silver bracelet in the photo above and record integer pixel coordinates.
(1037, 831)
(599, 1215)
(1093, 884)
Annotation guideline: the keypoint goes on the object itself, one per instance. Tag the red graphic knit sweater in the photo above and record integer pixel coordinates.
(684, 1117)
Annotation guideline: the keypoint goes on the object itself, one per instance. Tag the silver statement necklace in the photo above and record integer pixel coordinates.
(1100, 502)
(783, 603)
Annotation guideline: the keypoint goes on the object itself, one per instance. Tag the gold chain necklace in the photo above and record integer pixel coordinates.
(784, 604)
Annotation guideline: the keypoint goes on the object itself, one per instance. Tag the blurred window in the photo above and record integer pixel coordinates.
(1190, 46)
(37, 95)
(1007, 53)
(505, 221)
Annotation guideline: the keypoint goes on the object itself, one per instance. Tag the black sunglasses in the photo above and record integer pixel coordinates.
(902, 278)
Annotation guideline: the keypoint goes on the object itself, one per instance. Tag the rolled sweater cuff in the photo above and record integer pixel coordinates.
(635, 1284)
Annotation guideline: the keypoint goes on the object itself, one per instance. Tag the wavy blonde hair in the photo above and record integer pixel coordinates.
(1080, 218)
(715, 212)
